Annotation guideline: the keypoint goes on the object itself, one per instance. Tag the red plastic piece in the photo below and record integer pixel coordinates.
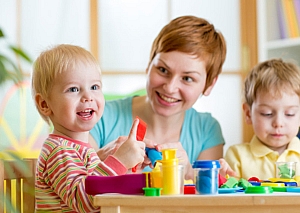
(189, 189)
(141, 131)
(254, 179)
(222, 180)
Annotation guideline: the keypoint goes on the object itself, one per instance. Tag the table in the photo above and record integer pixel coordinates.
(278, 202)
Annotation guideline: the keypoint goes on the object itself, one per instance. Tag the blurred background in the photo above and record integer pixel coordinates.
(119, 33)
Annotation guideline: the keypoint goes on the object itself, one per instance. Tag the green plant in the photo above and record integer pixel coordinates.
(9, 69)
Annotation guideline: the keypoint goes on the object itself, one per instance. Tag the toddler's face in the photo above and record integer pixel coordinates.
(76, 100)
(276, 120)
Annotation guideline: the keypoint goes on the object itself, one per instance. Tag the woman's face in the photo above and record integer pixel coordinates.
(175, 81)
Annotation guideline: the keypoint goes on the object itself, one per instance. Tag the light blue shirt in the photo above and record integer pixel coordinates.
(200, 131)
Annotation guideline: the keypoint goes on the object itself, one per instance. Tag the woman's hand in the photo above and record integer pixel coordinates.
(181, 155)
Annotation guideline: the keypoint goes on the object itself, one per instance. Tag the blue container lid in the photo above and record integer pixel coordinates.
(206, 164)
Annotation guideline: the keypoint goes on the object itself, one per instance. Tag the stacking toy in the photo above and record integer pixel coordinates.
(172, 173)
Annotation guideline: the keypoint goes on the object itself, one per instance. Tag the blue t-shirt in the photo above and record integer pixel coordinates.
(200, 131)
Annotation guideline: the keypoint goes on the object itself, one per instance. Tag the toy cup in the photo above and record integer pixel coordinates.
(206, 176)
(285, 170)
(172, 179)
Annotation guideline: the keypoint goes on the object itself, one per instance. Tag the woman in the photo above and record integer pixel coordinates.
(186, 58)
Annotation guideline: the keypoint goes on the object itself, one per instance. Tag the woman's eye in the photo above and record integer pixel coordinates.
(163, 70)
(73, 89)
(187, 79)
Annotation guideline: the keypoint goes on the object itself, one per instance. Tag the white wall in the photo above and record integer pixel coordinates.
(126, 31)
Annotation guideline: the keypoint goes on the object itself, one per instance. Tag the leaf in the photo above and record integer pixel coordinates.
(3, 73)
(16, 75)
(21, 53)
(1, 34)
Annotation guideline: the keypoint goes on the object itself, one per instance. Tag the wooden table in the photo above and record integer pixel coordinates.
(278, 202)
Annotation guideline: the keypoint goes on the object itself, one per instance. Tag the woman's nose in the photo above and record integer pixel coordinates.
(171, 85)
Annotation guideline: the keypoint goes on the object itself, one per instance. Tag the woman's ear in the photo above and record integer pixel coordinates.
(247, 113)
(42, 105)
(209, 89)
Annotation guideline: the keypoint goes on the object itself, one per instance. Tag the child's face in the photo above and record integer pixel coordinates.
(175, 81)
(76, 101)
(275, 120)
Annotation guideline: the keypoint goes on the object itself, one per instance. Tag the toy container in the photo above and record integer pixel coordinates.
(172, 173)
(285, 170)
(206, 176)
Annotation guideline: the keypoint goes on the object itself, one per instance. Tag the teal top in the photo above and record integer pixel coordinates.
(200, 131)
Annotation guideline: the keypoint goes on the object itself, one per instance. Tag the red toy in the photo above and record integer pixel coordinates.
(141, 131)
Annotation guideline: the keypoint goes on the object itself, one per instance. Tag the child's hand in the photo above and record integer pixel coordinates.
(111, 147)
(226, 169)
(131, 152)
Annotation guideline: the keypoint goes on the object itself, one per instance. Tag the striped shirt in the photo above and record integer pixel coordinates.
(62, 168)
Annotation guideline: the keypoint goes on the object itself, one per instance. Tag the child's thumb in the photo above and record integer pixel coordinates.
(133, 130)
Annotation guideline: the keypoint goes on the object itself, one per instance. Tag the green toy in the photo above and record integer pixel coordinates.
(230, 183)
(285, 172)
(233, 183)
(244, 183)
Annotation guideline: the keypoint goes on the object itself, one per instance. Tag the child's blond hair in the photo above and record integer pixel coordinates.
(273, 76)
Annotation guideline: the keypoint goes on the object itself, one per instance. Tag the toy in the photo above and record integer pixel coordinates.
(206, 176)
(152, 153)
(244, 183)
(222, 180)
(124, 184)
(172, 173)
(232, 182)
(285, 170)
(141, 131)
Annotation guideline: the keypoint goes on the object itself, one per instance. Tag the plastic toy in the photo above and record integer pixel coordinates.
(153, 155)
(244, 183)
(206, 176)
(124, 184)
(152, 191)
(189, 189)
(222, 180)
(171, 175)
(254, 179)
(141, 131)
(230, 183)
(285, 170)
(259, 190)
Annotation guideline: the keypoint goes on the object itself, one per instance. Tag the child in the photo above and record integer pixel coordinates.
(272, 106)
(66, 87)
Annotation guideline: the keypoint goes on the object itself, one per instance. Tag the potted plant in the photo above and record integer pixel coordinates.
(9, 69)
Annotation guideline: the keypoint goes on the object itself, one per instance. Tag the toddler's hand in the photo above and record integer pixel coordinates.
(226, 169)
(111, 147)
(131, 152)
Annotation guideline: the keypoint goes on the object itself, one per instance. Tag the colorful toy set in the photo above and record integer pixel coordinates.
(167, 178)
(284, 182)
